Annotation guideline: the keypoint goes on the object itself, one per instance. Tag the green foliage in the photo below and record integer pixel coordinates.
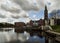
(6, 25)
(56, 28)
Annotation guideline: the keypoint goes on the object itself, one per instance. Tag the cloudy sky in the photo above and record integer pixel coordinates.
(24, 10)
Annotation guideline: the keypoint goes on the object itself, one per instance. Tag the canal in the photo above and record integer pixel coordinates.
(12, 37)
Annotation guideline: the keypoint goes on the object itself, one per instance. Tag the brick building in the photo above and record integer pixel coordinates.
(36, 22)
(19, 27)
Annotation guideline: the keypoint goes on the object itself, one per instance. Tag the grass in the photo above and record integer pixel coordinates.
(56, 28)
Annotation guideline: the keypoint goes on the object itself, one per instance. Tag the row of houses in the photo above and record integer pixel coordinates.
(31, 23)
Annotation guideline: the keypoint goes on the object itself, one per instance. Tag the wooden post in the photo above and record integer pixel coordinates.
(46, 40)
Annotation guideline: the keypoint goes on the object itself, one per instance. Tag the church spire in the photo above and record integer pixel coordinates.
(46, 13)
(45, 7)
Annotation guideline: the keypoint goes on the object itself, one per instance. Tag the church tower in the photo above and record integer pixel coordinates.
(46, 15)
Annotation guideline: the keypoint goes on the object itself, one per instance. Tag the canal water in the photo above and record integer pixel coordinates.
(12, 37)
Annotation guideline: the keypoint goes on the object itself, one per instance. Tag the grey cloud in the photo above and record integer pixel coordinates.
(54, 5)
(2, 16)
(55, 14)
(25, 5)
(15, 17)
(13, 10)
(25, 16)
(22, 14)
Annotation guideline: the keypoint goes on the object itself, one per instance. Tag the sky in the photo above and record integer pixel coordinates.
(25, 10)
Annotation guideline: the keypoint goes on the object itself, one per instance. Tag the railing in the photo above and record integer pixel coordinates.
(52, 35)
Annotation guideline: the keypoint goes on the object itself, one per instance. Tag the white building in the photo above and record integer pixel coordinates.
(55, 17)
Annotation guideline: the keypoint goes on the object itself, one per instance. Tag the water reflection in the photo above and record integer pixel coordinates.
(12, 37)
